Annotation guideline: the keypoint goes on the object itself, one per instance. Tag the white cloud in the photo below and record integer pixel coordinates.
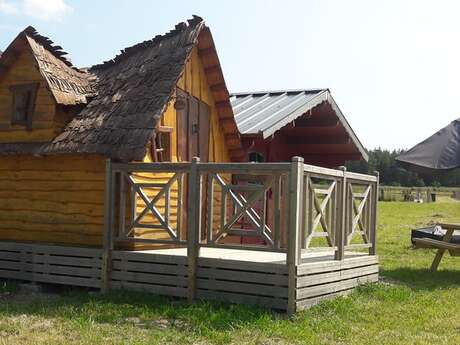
(49, 10)
(8, 7)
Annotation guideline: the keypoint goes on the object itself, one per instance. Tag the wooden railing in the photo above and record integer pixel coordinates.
(232, 202)
(282, 207)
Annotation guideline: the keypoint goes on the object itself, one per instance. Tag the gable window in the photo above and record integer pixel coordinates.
(23, 104)
(161, 144)
(256, 157)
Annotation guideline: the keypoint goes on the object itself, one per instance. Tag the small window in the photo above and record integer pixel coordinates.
(23, 104)
(161, 144)
(256, 157)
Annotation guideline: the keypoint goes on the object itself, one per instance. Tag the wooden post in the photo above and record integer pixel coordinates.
(294, 229)
(342, 216)
(375, 201)
(193, 225)
(109, 204)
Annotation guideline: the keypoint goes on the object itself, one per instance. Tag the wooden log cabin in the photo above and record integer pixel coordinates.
(156, 101)
(102, 186)
(277, 125)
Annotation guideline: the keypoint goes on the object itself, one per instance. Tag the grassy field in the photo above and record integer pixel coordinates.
(410, 306)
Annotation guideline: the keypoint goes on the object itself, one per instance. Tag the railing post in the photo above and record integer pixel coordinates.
(193, 225)
(109, 205)
(294, 229)
(342, 215)
(375, 201)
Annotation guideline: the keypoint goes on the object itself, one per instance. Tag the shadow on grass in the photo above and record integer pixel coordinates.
(423, 279)
(144, 309)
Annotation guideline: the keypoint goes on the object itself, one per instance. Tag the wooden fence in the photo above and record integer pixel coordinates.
(290, 208)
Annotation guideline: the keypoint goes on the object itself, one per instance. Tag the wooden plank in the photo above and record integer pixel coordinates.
(242, 276)
(437, 244)
(358, 246)
(361, 177)
(147, 278)
(307, 303)
(156, 289)
(63, 260)
(322, 171)
(51, 269)
(53, 279)
(149, 257)
(151, 167)
(328, 288)
(328, 266)
(329, 277)
(276, 303)
(243, 265)
(48, 249)
(149, 267)
(245, 288)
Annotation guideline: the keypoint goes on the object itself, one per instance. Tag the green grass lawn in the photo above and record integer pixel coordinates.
(410, 306)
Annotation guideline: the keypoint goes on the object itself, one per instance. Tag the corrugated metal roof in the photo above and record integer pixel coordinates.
(265, 112)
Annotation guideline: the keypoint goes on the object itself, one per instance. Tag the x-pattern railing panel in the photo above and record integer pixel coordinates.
(243, 200)
(320, 210)
(160, 221)
(359, 210)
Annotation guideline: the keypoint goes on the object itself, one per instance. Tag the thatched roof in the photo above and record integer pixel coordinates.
(127, 95)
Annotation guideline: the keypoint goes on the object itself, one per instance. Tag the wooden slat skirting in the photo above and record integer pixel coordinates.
(234, 281)
(319, 281)
(155, 273)
(51, 264)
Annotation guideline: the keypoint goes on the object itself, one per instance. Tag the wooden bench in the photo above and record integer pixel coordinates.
(442, 246)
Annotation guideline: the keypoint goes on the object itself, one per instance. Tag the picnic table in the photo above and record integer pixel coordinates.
(442, 245)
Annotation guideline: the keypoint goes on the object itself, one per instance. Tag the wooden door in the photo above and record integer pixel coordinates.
(193, 123)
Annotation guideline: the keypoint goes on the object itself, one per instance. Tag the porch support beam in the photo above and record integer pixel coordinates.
(193, 226)
(294, 229)
(109, 204)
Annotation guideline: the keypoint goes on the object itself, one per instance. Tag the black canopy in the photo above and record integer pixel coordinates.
(439, 152)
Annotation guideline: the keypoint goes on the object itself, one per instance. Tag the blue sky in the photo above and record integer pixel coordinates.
(392, 66)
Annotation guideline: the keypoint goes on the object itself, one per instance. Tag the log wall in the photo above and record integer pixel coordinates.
(55, 199)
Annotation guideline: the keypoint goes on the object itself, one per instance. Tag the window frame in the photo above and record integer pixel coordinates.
(162, 130)
(30, 88)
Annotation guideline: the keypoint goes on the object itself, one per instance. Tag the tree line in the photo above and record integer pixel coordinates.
(391, 174)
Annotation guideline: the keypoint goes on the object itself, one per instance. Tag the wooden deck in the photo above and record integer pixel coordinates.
(239, 276)
(308, 227)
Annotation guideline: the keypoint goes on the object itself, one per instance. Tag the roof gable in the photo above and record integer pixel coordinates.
(67, 84)
(133, 91)
(128, 94)
(265, 112)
